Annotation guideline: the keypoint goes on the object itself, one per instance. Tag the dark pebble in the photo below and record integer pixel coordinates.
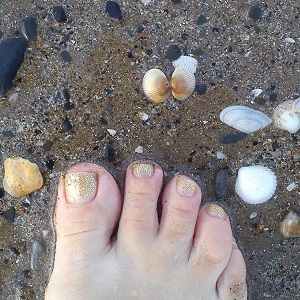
(273, 97)
(113, 10)
(109, 153)
(14, 251)
(232, 137)
(65, 55)
(108, 91)
(8, 134)
(173, 53)
(28, 28)
(255, 13)
(201, 88)
(11, 57)
(103, 121)
(48, 145)
(50, 164)
(197, 51)
(184, 36)
(59, 14)
(10, 214)
(176, 1)
(201, 20)
(202, 32)
(66, 125)
(66, 94)
(69, 106)
(2, 192)
(222, 183)
(140, 29)
(260, 100)
(1, 34)
(109, 109)
(256, 29)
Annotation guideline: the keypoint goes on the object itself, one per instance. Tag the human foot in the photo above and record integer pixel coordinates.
(188, 254)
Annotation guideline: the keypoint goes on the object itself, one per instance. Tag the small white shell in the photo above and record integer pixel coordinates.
(286, 118)
(255, 184)
(296, 105)
(186, 61)
(156, 86)
(183, 83)
(244, 118)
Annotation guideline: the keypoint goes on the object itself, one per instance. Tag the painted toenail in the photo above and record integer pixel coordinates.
(185, 187)
(80, 187)
(216, 211)
(141, 170)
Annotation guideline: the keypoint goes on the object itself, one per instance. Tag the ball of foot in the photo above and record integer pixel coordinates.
(21, 177)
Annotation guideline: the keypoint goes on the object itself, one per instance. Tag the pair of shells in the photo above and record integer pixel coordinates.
(286, 115)
(157, 87)
(255, 184)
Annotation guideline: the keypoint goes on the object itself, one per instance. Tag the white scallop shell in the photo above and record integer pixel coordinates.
(186, 61)
(183, 83)
(156, 86)
(255, 184)
(296, 105)
(244, 118)
(286, 118)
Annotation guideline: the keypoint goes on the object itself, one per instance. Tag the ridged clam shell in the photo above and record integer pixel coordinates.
(183, 83)
(296, 105)
(290, 225)
(255, 184)
(186, 61)
(244, 118)
(286, 118)
(156, 86)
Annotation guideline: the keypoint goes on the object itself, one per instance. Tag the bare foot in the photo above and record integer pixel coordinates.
(189, 254)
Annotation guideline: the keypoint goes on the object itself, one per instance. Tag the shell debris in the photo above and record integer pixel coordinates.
(186, 61)
(290, 225)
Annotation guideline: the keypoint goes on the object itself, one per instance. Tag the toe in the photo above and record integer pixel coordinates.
(181, 201)
(139, 220)
(87, 210)
(212, 244)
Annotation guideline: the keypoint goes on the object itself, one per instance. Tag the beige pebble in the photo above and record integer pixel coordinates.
(21, 177)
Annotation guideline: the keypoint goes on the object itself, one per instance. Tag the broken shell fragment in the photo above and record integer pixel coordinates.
(244, 119)
(285, 117)
(296, 105)
(290, 225)
(183, 83)
(186, 61)
(255, 184)
(21, 177)
(156, 86)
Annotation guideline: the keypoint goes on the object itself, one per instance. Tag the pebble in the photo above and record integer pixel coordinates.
(69, 106)
(37, 252)
(13, 97)
(273, 97)
(253, 215)
(222, 183)
(109, 153)
(66, 57)
(48, 145)
(200, 88)
(28, 28)
(201, 20)
(232, 137)
(103, 121)
(50, 164)
(109, 109)
(256, 92)
(255, 13)
(176, 1)
(66, 125)
(8, 134)
(2, 192)
(260, 101)
(139, 149)
(112, 132)
(291, 186)
(66, 94)
(21, 177)
(59, 14)
(11, 57)
(113, 10)
(1, 34)
(173, 53)
(10, 214)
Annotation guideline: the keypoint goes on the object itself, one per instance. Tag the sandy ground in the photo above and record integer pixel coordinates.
(109, 57)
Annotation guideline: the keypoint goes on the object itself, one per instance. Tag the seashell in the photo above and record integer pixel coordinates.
(290, 225)
(186, 61)
(244, 118)
(156, 86)
(183, 83)
(286, 118)
(296, 105)
(255, 184)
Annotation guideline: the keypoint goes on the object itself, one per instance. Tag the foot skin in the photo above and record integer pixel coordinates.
(188, 254)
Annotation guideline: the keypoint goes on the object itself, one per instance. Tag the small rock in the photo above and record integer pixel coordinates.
(253, 215)
(176, 1)
(48, 145)
(255, 13)
(2, 192)
(8, 134)
(37, 252)
(66, 125)
(1, 34)
(65, 55)
(200, 88)
(173, 53)
(232, 137)
(50, 164)
(256, 92)
(201, 20)
(222, 183)
(103, 121)
(13, 97)
(28, 28)
(260, 100)
(273, 97)
(109, 153)
(290, 40)
(291, 186)
(112, 132)
(21, 177)
(113, 10)
(10, 214)
(143, 116)
(69, 106)
(11, 57)
(109, 109)
(139, 149)
(59, 14)
(66, 94)
(220, 155)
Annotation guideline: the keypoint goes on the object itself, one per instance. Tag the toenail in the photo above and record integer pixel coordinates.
(185, 187)
(80, 187)
(141, 170)
(215, 210)
(234, 244)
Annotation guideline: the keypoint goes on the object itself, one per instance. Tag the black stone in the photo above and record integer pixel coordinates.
(8, 134)
(50, 164)
(28, 28)
(113, 10)
(14, 251)
(232, 137)
(48, 145)
(10, 214)
(65, 55)
(140, 29)
(1, 34)
(110, 109)
(69, 106)
(201, 20)
(103, 121)
(201, 88)
(11, 57)
(184, 36)
(173, 52)
(66, 125)
(273, 97)
(59, 14)
(176, 1)
(222, 183)
(66, 94)
(109, 153)
(108, 91)
(2, 192)
(255, 13)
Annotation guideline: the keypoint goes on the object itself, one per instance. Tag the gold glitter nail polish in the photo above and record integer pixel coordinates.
(215, 210)
(80, 187)
(143, 170)
(185, 187)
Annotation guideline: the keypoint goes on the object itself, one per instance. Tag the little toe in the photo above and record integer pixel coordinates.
(180, 201)
(139, 220)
